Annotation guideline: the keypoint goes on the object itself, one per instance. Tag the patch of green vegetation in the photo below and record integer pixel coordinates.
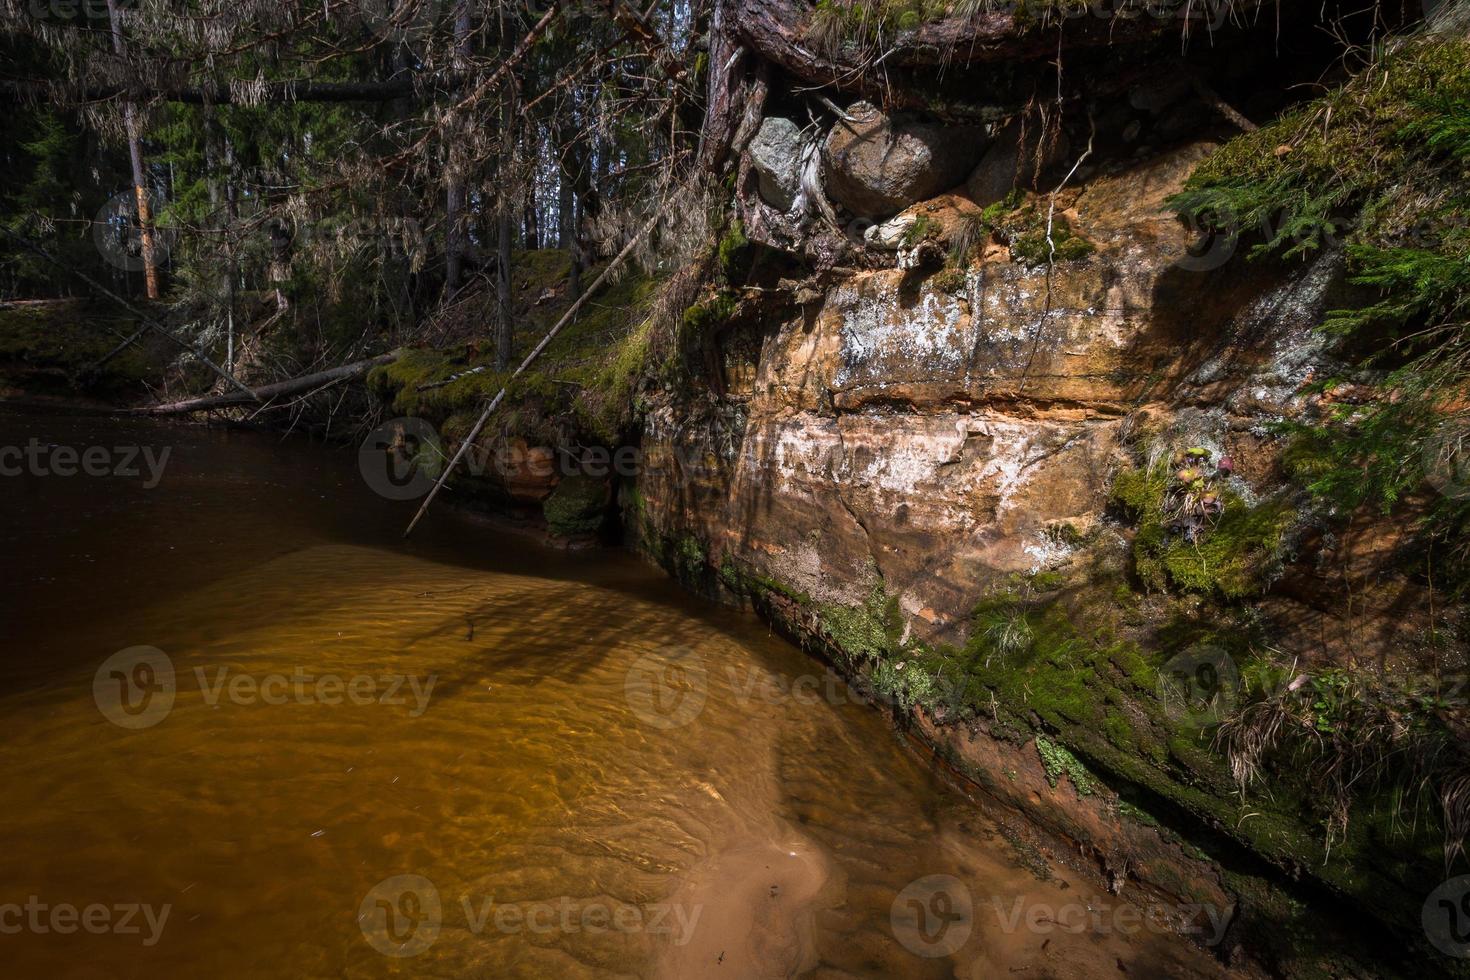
(1347, 735)
(1118, 729)
(733, 252)
(923, 227)
(44, 347)
(730, 575)
(994, 214)
(704, 316)
(606, 405)
(1235, 553)
(690, 553)
(951, 281)
(1298, 180)
(684, 556)
(1128, 811)
(586, 376)
(1030, 246)
(1023, 227)
(1094, 704)
(869, 630)
(767, 584)
(1379, 166)
(577, 507)
(1057, 762)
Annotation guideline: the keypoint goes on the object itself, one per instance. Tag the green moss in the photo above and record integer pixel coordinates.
(1234, 555)
(1128, 811)
(1291, 180)
(691, 554)
(869, 630)
(994, 214)
(585, 379)
(44, 346)
(577, 507)
(1031, 246)
(732, 252)
(951, 281)
(606, 404)
(768, 584)
(703, 317)
(730, 575)
(1058, 762)
(1118, 729)
(1378, 166)
(923, 227)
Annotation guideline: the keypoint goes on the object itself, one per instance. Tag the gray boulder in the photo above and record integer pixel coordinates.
(875, 165)
(775, 154)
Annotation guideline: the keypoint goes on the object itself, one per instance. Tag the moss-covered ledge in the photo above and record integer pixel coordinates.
(1061, 706)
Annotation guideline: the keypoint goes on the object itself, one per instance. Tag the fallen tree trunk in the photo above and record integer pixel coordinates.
(236, 399)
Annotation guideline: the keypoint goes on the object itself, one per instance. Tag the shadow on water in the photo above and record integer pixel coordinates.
(225, 502)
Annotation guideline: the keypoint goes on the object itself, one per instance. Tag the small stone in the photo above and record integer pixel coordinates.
(890, 234)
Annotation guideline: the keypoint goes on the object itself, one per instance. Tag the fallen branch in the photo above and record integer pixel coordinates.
(1212, 99)
(266, 392)
(431, 385)
(535, 353)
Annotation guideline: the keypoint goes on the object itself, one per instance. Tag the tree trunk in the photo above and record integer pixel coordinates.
(232, 262)
(454, 192)
(565, 195)
(503, 233)
(301, 385)
(135, 155)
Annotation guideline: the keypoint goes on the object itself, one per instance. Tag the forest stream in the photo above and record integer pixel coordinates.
(463, 754)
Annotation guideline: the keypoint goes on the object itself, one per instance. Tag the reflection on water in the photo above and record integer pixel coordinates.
(322, 751)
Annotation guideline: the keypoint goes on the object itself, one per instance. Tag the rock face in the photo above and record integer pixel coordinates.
(1012, 161)
(913, 444)
(939, 436)
(875, 165)
(775, 154)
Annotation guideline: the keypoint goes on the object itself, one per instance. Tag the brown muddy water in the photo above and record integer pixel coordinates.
(249, 731)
